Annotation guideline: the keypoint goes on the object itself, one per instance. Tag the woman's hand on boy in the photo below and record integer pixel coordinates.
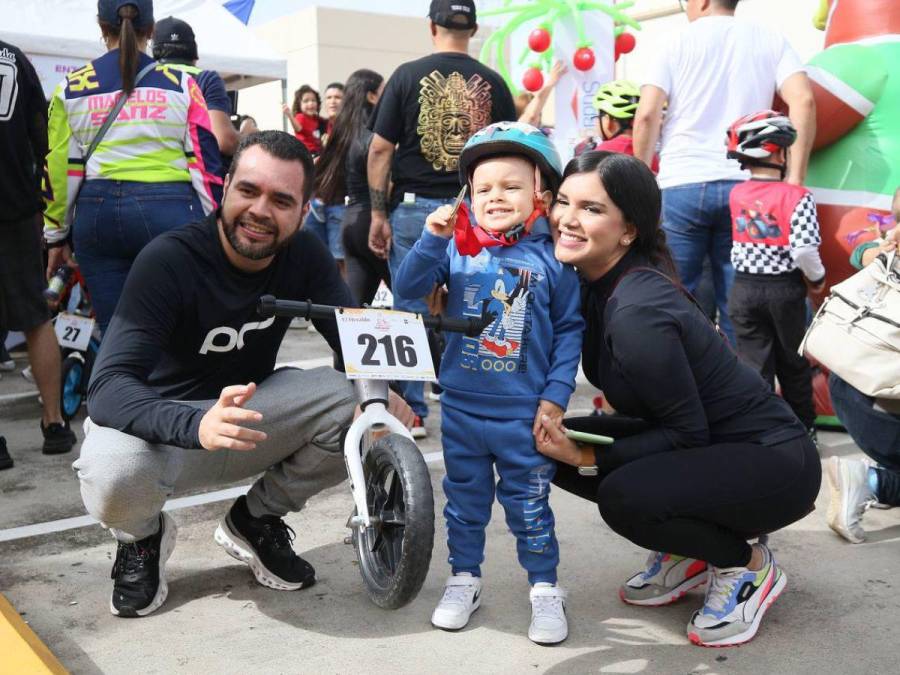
(441, 222)
(552, 412)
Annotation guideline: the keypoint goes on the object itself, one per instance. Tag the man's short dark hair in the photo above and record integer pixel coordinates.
(281, 146)
(175, 53)
(728, 4)
(335, 85)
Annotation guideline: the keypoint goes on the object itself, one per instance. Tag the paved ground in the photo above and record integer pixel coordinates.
(838, 615)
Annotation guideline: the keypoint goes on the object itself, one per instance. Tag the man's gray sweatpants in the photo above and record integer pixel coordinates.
(125, 481)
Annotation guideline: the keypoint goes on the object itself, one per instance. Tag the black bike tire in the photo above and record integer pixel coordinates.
(394, 591)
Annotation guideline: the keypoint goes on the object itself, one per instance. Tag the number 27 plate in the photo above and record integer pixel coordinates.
(73, 331)
(384, 345)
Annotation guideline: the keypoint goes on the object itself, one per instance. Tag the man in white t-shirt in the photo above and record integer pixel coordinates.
(715, 71)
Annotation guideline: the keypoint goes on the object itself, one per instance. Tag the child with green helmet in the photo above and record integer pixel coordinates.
(615, 102)
(498, 264)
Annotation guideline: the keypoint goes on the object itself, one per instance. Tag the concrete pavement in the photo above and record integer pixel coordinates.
(838, 614)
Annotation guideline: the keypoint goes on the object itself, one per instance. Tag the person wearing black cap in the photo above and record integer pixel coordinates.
(174, 44)
(429, 109)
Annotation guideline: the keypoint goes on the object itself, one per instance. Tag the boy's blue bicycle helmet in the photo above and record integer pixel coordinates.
(512, 138)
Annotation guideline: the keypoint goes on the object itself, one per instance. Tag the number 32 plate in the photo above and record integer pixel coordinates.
(384, 345)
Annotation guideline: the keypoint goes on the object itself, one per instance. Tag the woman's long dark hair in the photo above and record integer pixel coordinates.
(298, 97)
(354, 115)
(632, 187)
(129, 52)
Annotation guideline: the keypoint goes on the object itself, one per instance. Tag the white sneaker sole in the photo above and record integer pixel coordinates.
(540, 638)
(835, 471)
(750, 633)
(460, 622)
(166, 546)
(418, 432)
(667, 598)
(239, 550)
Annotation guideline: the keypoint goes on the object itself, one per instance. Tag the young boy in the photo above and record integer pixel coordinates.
(616, 103)
(523, 365)
(776, 259)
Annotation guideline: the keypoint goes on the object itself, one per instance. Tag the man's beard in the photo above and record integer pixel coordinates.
(253, 250)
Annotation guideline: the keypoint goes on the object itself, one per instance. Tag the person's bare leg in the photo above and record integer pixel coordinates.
(46, 365)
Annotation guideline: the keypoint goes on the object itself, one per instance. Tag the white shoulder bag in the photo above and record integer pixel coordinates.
(856, 332)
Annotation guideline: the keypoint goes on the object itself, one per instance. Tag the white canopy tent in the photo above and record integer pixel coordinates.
(61, 35)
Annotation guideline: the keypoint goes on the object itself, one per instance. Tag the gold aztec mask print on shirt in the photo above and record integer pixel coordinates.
(451, 109)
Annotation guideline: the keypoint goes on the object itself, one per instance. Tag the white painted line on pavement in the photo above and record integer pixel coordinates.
(21, 396)
(64, 524)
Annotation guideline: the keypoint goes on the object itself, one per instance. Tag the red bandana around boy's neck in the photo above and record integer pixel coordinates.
(471, 238)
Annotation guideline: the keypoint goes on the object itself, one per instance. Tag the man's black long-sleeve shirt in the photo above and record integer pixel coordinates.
(656, 357)
(186, 326)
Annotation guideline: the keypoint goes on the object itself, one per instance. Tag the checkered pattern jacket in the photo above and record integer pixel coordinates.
(769, 221)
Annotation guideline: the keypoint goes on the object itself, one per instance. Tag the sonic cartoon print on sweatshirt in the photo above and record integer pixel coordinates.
(530, 349)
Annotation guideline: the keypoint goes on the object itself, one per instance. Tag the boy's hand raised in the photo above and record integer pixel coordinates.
(441, 222)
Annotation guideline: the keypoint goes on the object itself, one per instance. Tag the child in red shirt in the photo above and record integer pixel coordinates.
(309, 128)
(616, 103)
(775, 254)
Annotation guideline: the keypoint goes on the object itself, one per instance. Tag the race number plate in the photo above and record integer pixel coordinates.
(384, 345)
(73, 331)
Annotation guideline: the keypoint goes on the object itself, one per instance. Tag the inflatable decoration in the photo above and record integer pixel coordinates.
(855, 165)
(550, 15)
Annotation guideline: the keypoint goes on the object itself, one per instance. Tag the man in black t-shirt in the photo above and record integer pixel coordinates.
(23, 145)
(184, 396)
(429, 109)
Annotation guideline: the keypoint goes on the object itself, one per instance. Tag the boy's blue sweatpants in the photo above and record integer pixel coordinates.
(472, 446)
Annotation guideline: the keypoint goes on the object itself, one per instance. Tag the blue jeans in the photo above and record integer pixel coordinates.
(407, 223)
(114, 220)
(697, 221)
(877, 434)
(325, 221)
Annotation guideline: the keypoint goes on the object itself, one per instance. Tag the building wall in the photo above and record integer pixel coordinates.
(324, 45)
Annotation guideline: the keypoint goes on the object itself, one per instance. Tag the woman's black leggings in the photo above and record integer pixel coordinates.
(703, 503)
(364, 270)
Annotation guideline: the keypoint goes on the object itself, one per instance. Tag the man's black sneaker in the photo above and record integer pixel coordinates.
(140, 572)
(6, 462)
(58, 438)
(264, 544)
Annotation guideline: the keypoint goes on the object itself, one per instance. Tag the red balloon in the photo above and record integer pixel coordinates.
(584, 58)
(533, 79)
(539, 40)
(625, 43)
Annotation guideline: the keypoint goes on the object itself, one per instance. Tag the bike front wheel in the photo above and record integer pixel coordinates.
(73, 386)
(394, 552)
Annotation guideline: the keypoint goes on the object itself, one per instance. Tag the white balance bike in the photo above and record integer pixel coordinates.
(392, 524)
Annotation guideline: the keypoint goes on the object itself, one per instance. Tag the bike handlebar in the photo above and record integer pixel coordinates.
(269, 305)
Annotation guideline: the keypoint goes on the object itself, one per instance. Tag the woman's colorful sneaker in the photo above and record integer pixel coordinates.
(736, 600)
(666, 579)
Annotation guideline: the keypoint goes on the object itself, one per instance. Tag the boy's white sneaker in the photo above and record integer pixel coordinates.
(549, 625)
(462, 596)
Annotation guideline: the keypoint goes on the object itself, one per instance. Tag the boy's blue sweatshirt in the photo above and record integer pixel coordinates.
(530, 351)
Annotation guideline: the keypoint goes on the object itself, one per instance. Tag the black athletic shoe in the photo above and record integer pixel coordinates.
(58, 438)
(6, 462)
(264, 544)
(140, 572)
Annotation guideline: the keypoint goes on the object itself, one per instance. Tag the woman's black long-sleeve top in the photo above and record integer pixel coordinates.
(657, 357)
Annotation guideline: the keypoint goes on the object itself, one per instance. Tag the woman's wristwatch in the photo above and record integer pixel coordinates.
(591, 469)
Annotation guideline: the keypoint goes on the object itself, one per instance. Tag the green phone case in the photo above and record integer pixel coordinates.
(585, 437)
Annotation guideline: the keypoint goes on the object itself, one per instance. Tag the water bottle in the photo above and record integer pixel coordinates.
(58, 283)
